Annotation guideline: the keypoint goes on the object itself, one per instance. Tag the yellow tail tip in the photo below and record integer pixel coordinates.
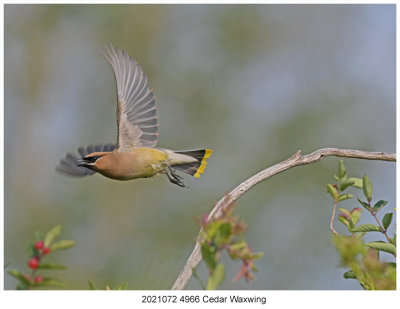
(207, 154)
(203, 163)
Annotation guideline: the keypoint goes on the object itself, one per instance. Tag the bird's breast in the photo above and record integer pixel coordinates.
(139, 163)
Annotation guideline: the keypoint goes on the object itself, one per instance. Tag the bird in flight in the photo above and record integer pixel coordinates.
(135, 154)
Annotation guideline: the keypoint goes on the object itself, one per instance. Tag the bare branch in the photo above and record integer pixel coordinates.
(295, 160)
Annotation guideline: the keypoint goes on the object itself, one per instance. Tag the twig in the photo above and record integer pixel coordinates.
(333, 218)
(295, 160)
(198, 279)
(379, 223)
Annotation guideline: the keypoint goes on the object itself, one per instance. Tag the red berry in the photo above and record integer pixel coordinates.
(27, 277)
(46, 250)
(38, 279)
(33, 263)
(39, 245)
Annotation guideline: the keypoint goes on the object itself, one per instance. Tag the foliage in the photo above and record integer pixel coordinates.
(363, 258)
(44, 245)
(225, 233)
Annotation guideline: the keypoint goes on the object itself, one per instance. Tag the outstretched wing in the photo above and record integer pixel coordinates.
(136, 110)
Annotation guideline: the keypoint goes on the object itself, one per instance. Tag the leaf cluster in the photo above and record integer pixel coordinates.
(226, 233)
(363, 258)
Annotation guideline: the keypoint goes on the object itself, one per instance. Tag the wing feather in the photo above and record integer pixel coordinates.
(136, 111)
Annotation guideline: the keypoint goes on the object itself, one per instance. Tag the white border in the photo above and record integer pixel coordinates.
(133, 299)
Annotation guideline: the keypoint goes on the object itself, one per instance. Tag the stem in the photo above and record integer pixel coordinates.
(39, 257)
(334, 211)
(198, 279)
(33, 275)
(332, 218)
(379, 223)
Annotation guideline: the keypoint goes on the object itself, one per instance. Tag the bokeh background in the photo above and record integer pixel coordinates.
(253, 82)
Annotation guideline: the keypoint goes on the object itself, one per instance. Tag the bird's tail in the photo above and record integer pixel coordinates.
(195, 168)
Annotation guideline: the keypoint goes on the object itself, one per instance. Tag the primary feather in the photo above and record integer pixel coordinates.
(136, 111)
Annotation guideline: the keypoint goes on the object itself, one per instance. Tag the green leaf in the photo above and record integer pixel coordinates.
(225, 230)
(345, 184)
(390, 264)
(332, 191)
(212, 229)
(355, 215)
(382, 246)
(379, 205)
(364, 204)
(208, 253)
(387, 219)
(349, 274)
(91, 286)
(336, 177)
(15, 273)
(51, 266)
(366, 228)
(367, 188)
(62, 245)
(238, 245)
(223, 234)
(393, 240)
(217, 277)
(345, 211)
(341, 170)
(343, 197)
(52, 282)
(52, 235)
(358, 182)
(344, 220)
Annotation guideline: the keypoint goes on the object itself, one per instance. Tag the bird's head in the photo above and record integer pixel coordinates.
(92, 160)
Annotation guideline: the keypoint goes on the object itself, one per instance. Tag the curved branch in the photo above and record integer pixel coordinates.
(295, 160)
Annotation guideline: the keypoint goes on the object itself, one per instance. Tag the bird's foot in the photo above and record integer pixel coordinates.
(174, 178)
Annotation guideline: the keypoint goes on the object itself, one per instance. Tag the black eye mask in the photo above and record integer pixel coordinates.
(91, 159)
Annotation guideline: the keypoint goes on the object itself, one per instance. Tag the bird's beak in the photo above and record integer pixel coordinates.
(82, 162)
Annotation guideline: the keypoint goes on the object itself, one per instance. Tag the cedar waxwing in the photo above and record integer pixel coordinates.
(135, 154)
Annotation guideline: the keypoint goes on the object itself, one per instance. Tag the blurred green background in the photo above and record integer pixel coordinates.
(253, 82)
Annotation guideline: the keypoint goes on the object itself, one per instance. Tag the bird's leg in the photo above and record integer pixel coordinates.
(173, 174)
(174, 178)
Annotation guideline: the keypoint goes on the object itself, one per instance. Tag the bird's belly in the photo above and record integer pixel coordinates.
(141, 163)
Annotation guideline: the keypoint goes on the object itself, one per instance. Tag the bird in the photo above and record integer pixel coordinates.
(135, 154)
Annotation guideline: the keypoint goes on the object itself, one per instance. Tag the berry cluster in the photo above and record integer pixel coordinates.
(36, 279)
(43, 245)
(39, 251)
